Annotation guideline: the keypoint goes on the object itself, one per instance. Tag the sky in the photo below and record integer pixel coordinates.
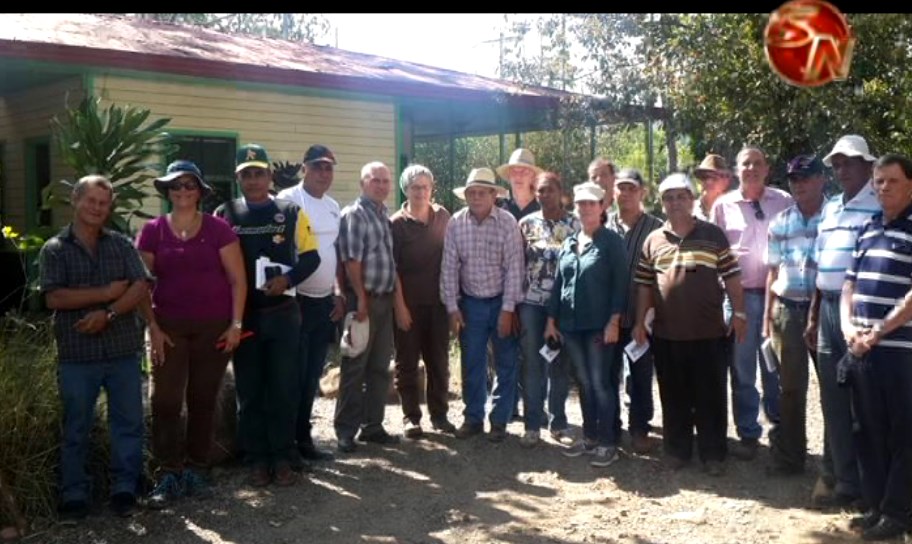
(459, 41)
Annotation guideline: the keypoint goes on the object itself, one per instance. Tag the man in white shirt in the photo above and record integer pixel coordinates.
(319, 299)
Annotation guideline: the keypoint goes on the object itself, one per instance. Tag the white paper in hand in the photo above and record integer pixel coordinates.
(634, 351)
(769, 355)
(548, 353)
(263, 265)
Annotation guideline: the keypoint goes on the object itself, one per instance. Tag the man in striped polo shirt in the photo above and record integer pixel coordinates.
(789, 288)
(877, 314)
(680, 272)
(840, 220)
(633, 224)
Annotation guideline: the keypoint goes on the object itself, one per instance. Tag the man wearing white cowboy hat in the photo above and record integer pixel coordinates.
(481, 284)
(521, 172)
(840, 221)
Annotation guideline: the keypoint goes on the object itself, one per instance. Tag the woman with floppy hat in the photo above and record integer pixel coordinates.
(521, 172)
(195, 323)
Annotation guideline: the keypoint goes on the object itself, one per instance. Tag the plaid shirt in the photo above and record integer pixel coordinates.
(66, 264)
(365, 236)
(482, 260)
(791, 248)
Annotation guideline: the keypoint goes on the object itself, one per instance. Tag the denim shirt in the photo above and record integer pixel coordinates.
(591, 286)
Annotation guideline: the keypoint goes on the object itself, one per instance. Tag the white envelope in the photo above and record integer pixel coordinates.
(634, 351)
(548, 353)
(261, 265)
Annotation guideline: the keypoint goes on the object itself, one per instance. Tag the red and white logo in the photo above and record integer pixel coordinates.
(808, 43)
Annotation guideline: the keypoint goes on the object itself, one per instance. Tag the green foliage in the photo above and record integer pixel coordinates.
(119, 143)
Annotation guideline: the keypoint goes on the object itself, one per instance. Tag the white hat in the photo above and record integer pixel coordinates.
(676, 181)
(588, 190)
(850, 145)
(355, 335)
(520, 157)
(480, 177)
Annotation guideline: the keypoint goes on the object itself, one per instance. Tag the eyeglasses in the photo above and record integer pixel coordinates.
(249, 173)
(186, 185)
(758, 211)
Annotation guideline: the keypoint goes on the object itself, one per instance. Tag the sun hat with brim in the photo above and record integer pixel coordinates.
(588, 190)
(480, 177)
(712, 164)
(251, 156)
(177, 169)
(850, 145)
(676, 181)
(520, 157)
(355, 335)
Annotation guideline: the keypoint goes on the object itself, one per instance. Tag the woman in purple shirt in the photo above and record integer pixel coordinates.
(195, 323)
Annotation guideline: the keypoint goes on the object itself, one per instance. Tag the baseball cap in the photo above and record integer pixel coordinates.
(251, 156)
(676, 181)
(354, 336)
(588, 190)
(629, 175)
(803, 166)
(319, 152)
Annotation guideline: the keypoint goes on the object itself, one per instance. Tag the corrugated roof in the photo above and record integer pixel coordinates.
(125, 42)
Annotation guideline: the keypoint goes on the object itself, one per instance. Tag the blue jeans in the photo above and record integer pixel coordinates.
(533, 367)
(745, 397)
(266, 376)
(558, 391)
(840, 460)
(316, 334)
(480, 316)
(79, 386)
(592, 361)
(638, 386)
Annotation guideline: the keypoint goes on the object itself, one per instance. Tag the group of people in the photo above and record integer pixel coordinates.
(558, 294)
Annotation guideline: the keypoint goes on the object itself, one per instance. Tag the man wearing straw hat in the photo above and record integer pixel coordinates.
(715, 179)
(481, 284)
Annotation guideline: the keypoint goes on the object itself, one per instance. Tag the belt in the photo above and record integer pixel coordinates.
(375, 294)
(755, 290)
(466, 295)
(801, 304)
(831, 295)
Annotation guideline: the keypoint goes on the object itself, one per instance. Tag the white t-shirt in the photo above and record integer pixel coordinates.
(324, 221)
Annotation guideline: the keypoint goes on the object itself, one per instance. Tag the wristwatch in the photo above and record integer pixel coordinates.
(110, 314)
(741, 315)
(237, 324)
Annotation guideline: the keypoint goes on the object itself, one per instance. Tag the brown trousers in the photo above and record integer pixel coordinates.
(428, 339)
(192, 371)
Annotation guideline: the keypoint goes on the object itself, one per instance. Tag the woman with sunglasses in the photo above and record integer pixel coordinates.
(195, 323)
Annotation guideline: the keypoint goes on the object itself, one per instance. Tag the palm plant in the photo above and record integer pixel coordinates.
(118, 143)
(285, 174)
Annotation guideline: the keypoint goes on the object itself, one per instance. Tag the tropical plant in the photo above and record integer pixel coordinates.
(120, 143)
(285, 174)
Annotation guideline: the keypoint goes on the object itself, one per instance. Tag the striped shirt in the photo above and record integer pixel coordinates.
(633, 244)
(881, 270)
(482, 260)
(543, 240)
(836, 235)
(790, 249)
(684, 275)
(747, 233)
(365, 236)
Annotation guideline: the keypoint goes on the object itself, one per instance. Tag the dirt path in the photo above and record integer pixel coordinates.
(443, 490)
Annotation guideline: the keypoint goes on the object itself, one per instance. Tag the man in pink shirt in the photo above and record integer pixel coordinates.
(744, 214)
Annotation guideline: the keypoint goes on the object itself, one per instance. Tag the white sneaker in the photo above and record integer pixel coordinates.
(604, 456)
(529, 439)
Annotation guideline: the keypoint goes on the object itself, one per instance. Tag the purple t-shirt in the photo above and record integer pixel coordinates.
(190, 281)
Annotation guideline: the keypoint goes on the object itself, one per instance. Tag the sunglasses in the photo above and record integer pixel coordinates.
(758, 211)
(186, 185)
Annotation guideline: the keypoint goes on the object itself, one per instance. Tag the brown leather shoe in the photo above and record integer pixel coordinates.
(259, 477)
(640, 443)
(284, 476)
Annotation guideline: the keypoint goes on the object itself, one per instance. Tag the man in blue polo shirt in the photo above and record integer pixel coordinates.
(840, 220)
(876, 314)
